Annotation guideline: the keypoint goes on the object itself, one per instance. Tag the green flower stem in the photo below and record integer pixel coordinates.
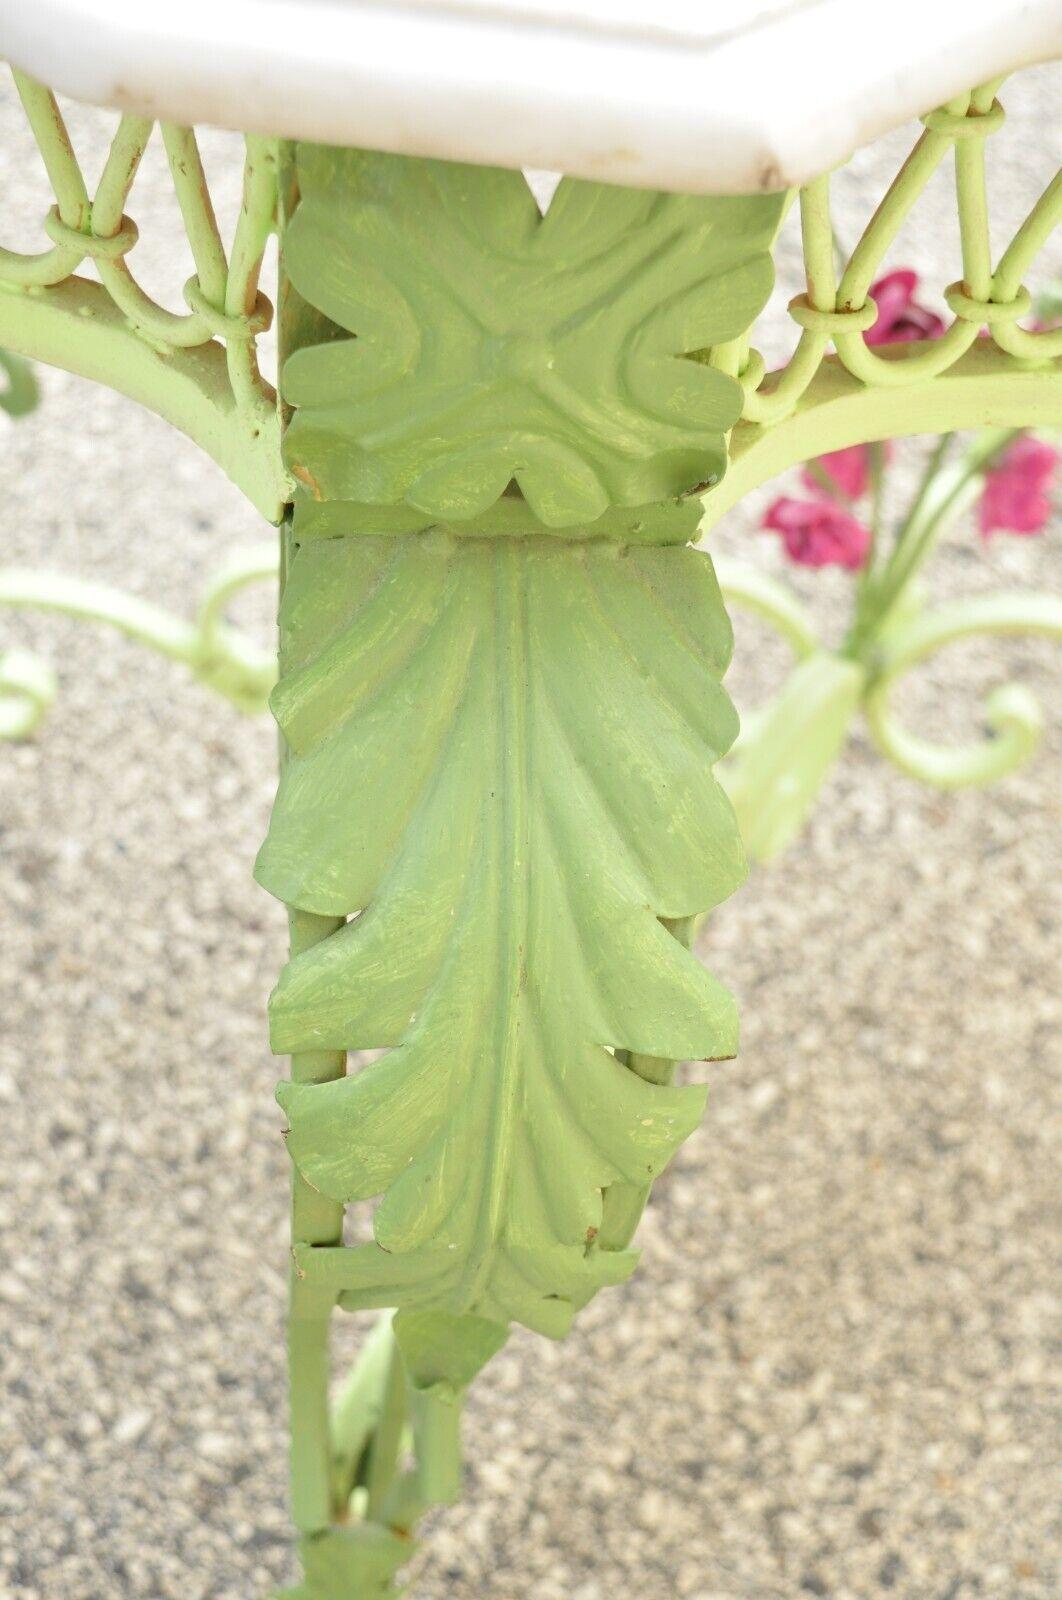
(876, 459)
(787, 748)
(876, 455)
(941, 499)
(929, 474)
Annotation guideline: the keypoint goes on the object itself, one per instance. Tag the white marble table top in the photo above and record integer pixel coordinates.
(679, 94)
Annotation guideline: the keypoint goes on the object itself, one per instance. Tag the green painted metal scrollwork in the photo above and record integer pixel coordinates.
(217, 654)
(198, 370)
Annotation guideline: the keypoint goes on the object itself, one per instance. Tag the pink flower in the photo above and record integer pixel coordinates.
(900, 317)
(819, 533)
(1017, 494)
(848, 469)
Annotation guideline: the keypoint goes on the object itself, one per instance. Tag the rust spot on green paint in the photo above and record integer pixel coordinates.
(305, 476)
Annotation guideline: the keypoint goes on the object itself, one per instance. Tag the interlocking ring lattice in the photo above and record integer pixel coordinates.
(229, 409)
(840, 310)
(199, 370)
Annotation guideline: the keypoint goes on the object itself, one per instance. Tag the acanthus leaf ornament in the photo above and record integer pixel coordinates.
(500, 770)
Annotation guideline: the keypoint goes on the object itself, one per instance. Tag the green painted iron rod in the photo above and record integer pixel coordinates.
(358, 1408)
(386, 1443)
(892, 210)
(197, 209)
(312, 1505)
(816, 232)
(257, 219)
(218, 654)
(1030, 238)
(315, 1220)
(57, 153)
(120, 169)
(972, 198)
(46, 123)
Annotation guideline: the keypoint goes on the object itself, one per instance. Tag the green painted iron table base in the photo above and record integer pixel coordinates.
(498, 434)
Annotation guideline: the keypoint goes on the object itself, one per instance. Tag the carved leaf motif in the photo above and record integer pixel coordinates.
(499, 769)
(493, 343)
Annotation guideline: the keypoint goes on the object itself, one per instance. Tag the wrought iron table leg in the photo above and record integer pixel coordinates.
(497, 815)
(499, 695)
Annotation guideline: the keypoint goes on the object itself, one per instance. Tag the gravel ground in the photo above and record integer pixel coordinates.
(836, 1373)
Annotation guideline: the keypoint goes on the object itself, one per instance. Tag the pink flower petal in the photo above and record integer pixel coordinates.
(1017, 492)
(819, 533)
(900, 317)
(849, 469)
